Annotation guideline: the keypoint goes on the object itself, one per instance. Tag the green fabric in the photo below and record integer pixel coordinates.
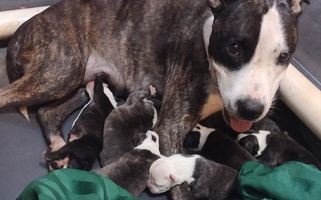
(290, 181)
(73, 184)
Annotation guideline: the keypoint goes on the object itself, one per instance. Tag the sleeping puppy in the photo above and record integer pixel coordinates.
(275, 148)
(207, 179)
(130, 171)
(86, 135)
(216, 146)
(126, 122)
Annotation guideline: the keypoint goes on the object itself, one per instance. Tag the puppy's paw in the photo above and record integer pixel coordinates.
(58, 164)
(152, 90)
(56, 144)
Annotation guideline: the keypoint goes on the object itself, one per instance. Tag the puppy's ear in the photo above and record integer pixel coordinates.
(215, 5)
(296, 6)
(172, 177)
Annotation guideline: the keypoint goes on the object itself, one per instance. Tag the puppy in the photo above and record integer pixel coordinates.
(131, 170)
(217, 146)
(275, 148)
(126, 123)
(207, 179)
(86, 135)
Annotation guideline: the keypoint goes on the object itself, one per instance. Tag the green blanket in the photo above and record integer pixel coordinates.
(72, 184)
(290, 181)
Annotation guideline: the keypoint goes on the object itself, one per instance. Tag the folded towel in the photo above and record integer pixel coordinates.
(73, 184)
(290, 181)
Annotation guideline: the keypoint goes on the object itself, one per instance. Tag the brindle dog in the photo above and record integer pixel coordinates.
(195, 52)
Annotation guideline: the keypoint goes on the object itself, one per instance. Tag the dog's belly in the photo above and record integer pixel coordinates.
(97, 64)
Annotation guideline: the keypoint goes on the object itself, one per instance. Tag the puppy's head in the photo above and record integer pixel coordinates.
(254, 143)
(162, 176)
(250, 44)
(196, 139)
(77, 154)
(149, 142)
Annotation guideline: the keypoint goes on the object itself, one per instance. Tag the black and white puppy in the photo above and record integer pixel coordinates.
(217, 146)
(275, 148)
(207, 179)
(86, 135)
(131, 170)
(126, 123)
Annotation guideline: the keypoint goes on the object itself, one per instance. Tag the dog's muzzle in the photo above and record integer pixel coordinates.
(248, 110)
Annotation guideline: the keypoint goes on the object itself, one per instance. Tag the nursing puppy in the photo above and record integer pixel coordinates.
(86, 135)
(126, 123)
(275, 148)
(131, 170)
(207, 179)
(217, 146)
(197, 53)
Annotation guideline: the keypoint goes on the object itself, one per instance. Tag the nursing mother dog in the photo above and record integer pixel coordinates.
(201, 55)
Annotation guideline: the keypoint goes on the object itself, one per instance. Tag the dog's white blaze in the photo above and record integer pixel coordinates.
(110, 95)
(261, 138)
(204, 131)
(260, 78)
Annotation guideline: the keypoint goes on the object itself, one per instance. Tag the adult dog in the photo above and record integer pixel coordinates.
(195, 52)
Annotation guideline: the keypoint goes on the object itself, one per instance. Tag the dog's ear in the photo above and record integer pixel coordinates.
(296, 6)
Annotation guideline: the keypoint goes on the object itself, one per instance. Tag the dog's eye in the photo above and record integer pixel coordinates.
(234, 48)
(283, 58)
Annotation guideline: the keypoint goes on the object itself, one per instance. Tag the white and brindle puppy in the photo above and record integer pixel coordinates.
(217, 146)
(131, 170)
(197, 53)
(126, 123)
(86, 135)
(207, 179)
(275, 148)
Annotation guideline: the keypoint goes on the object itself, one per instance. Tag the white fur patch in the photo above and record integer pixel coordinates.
(204, 131)
(261, 138)
(155, 118)
(166, 172)
(110, 95)
(149, 144)
(207, 31)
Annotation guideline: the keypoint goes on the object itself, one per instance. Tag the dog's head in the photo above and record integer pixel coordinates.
(77, 154)
(250, 44)
(162, 176)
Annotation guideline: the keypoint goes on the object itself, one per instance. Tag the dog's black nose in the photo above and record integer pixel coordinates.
(249, 109)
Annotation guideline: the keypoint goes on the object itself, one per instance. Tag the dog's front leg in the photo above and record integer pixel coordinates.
(52, 117)
(183, 100)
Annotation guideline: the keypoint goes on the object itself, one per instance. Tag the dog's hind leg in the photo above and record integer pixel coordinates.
(52, 117)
